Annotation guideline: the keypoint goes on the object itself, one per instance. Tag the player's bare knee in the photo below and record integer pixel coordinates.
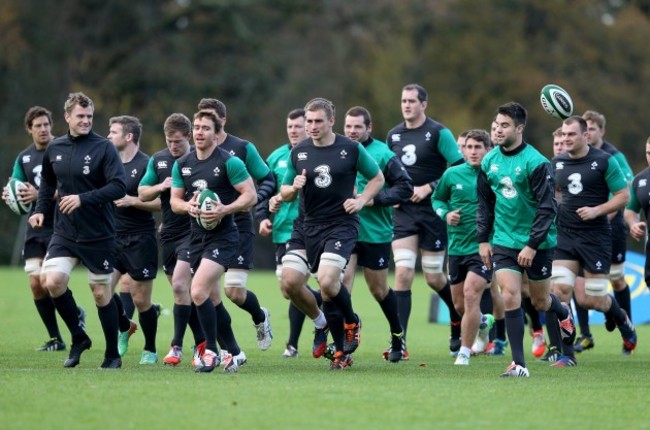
(378, 291)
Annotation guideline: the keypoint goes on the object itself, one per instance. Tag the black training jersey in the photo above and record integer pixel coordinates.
(130, 219)
(159, 168)
(425, 151)
(219, 172)
(87, 166)
(27, 168)
(586, 181)
(331, 176)
(640, 193)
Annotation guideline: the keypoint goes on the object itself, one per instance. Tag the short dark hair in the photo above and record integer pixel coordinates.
(177, 122)
(36, 112)
(580, 120)
(360, 111)
(216, 104)
(422, 93)
(130, 124)
(296, 113)
(515, 111)
(479, 135)
(210, 115)
(77, 99)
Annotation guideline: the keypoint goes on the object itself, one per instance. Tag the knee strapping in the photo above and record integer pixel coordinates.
(433, 263)
(563, 276)
(295, 261)
(404, 258)
(617, 271)
(235, 279)
(331, 259)
(596, 286)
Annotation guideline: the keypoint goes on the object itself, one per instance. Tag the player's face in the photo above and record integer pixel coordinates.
(647, 153)
(356, 129)
(558, 145)
(493, 132)
(412, 107)
(317, 124)
(177, 143)
(574, 140)
(461, 142)
(594, 134)
(506, 133)
(80, 120)
(116, 136)
(203, 133)
(474, 152)
(41, 131)
(296, 130)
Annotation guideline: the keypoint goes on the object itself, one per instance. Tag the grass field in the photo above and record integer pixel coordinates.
(606, 390)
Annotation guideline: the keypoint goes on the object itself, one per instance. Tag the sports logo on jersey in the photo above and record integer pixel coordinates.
(343, 153)
(594, 165)
(599, 265)
(381, 262)
(439, 212)
(517, 171)
(27, 158)
(396, 138)
(87, 159)
(232, 152)
(282, 163)
(106, 265)
(544, 270)
(459, 186)
(186, 171)
(409, 157)
(217, 171)
(145, 272)
(58, 157)
(240, 260)
(324, 179)
(427, 137)
(302, 156)
(86, 170)
(559, 165)
(643, 182)
(575, 183)
(508, 191)
(162, 164)
(494, 168)
(337, 245)
(215, 252)
(200, 184)
(134, 173)
(37, 175)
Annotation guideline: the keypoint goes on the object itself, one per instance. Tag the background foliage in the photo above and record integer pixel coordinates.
(262, 58)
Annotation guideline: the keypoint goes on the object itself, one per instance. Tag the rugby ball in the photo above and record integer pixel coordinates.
(13, 186)
(556, 101)
(207, 199)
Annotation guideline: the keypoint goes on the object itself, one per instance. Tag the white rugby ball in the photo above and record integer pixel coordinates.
(556, 101)
(206, 200)
(13, 186)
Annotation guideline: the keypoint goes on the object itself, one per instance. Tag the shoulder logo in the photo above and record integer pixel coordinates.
(186, 171)
(87, 159)
(459, 186)
(594, 165)
(643, 182)
(217, 171)
(427, 136)
(396, 138)
(27, 158)
(494, 168)
(134, 173)
(282, 163)
(58, 157)
(343, 153)
(559, 165)
(302, 156)
(232, 152)
(517, 171)
(162, 164)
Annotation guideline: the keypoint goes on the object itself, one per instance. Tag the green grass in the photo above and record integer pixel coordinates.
(606, 390)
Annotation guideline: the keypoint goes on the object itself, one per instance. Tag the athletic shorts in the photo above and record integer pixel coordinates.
(221, 248)
(97, 256)
(335, 238)
(506, 258)
(373, 256)
(619, 243)
(461, 265)
(173, 250)
(137, 255)
(422, 221)
(280, 251)
(297, 239)
(36, 247)
(587, 247)
(244, 257)
(647, 264)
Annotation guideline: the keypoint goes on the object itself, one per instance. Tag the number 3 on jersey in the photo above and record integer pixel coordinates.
(508, 191)
(324, 179)
(409, 158)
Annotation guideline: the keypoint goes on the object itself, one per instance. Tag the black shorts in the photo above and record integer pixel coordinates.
(280, 251)
(297, 239)
(336, 238)
(646, 273)
(420, 220)
(220, 248)
(587, 247)
(619, 243)
(373, 256)
(461, 265)
(173, 250)
(36, 247)
(244, 258)
(97, 256)
(506, 258)
(137, 255)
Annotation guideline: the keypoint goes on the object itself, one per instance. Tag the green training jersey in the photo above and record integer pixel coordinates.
(283, 218)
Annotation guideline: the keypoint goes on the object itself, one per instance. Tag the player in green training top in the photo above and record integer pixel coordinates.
(517, 205)
(454, 201)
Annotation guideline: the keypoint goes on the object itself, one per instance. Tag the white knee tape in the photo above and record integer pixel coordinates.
(563, 276)
(404, 258)
(278, 272)
(617, 271)
(433, 263)
(99, 278)
(596, 286)
(33, 266)
(59, 264)
(331, 259)
(236, 279)
(295, 261)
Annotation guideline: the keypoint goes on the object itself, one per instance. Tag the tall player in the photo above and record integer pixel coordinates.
(425, 148)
